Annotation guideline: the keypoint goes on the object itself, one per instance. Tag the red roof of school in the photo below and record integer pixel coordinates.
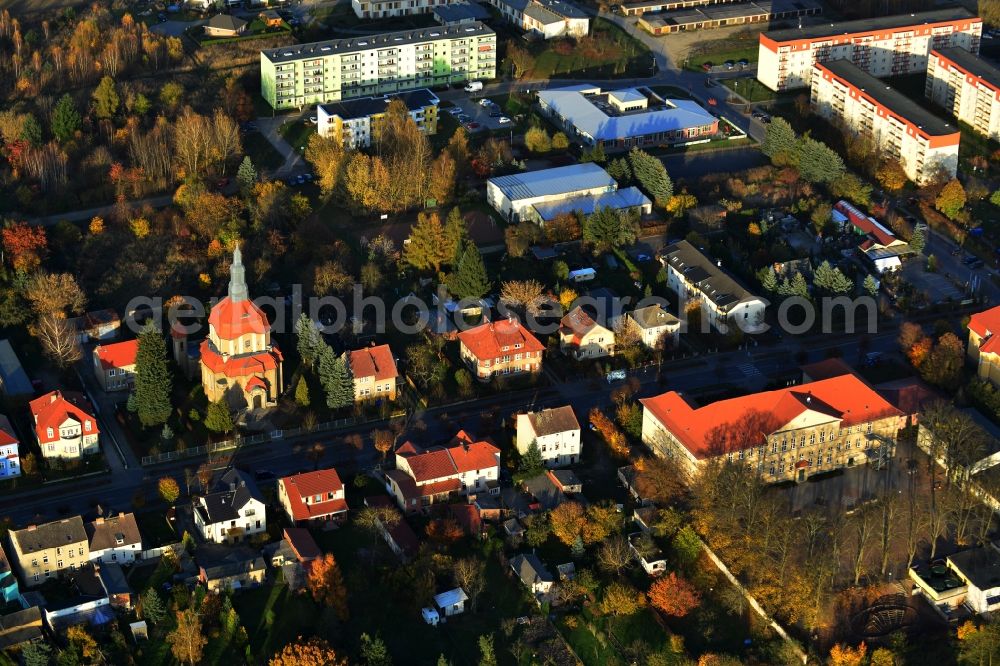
(495, 339)
(826, 369)
(232, 320)
(53, 409)
(845, 398)
(117, 355)
(986, 323)
(374, 362)
(322, 482)
(462, 455)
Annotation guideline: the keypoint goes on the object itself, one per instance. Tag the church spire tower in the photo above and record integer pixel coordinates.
(237, 278)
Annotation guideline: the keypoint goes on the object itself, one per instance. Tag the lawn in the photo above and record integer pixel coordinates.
(721, 50)
(750, 89)
(274, 616)
(607, 53)
(297, 133)
(155, 529)
(261, 152)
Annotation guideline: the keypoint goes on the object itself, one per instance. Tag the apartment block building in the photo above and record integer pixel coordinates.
(500, 348)
(355, 122)
(968, 87)
(723, 300)
(40, 552)
(545, 18)
(924, 145)
(882, 46)
(787, 434)
(322, 72)
(376, 9)
(555, 431)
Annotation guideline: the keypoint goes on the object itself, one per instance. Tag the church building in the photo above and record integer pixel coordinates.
(238, 360)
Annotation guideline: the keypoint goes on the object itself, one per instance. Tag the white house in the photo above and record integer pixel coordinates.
(114, 539)
(556, 432)
(63, 427)
(723, 300)
(545, 18)
(656, 327)
(649, 556)
(10, 458)
(234, 511)
(535, 576)
(425, 476)
(979, 568)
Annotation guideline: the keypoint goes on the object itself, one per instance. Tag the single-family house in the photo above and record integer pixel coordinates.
(294, 555)
(426, 476)
(375, 373)
(225, 25)
(98, 325)
(556, 433)
(649, 555)
(232, 512)
(222, 567)
(500, 348)
(21, 627)
(657, 328)
(115, 584)
(535, 576)
(313, 497)
(115, 539)
(64, 425)
(10, 450)
(398, 535)
(83, 599)
(114, 365)
(583, 338)
(40, 552)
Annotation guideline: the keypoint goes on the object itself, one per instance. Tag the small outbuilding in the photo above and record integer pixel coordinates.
(451, 602)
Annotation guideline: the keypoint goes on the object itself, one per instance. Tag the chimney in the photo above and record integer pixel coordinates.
(99, 521)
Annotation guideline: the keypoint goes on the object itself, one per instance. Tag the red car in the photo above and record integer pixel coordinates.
(473, 126)
(707, 66)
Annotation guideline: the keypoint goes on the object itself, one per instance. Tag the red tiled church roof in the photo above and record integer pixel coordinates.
(845, 398)
(234, 319)
(239, 366)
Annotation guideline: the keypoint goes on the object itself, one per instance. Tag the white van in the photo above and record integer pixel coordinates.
(473, 86)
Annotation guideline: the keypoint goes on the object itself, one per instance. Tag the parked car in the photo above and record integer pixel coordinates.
(455, 110)
(464, 118)
(707, 66)
(486, 101)
(474, 86)
(503, 120)
(730, 64)
(313, 120)
(743, 62)
(473, 126)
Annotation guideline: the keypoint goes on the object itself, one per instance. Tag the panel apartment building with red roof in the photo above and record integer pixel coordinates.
(427, 476)
(503, 347)
(787, 434)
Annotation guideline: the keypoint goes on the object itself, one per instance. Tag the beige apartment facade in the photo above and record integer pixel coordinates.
(41, 552)
(967, 87)
(785, 435)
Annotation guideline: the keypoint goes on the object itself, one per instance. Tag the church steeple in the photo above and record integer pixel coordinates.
(237, 278)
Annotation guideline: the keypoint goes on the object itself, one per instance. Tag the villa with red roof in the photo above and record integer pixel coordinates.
(313, 497)
(10, 457)
(427, 476)
(499, 348)
(114, 365)
(984, 344)
(581, 337)
(787, 434)
(238, 360)
(64, 426)
(374, 371)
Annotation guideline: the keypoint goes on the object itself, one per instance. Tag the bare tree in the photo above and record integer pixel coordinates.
(614, 554)
(863, 525)
(889, 508)
(470, 575)
(57, 336)
(225, 139)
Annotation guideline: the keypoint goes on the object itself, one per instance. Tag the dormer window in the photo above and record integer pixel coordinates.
(119, 539)
(50, 432)
(86, 425)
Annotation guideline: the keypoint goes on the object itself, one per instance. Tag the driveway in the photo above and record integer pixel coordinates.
(295, 163)
(175, 28)
(481, 114)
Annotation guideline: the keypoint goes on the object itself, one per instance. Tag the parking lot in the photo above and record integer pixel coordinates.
(477, 118)
(937, 286)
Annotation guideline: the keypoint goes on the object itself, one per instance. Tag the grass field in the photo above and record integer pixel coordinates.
(261, 152)
(750, 89)
(720, 51)
(297, 133)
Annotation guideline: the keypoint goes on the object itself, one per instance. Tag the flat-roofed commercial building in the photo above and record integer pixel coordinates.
(923, 144)
(643, 6)
(322, 72)
(966, 86)
(882, 46)
(724, 15)
(541, 195)
(621, 119)
(355, 121)
(375, 9)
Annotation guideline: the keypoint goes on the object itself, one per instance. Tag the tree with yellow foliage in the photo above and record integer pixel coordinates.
(845, 655)
(621, 599)
(312, 652)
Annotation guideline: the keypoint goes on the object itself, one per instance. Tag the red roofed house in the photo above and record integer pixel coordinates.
(10, 457)
(500, 348)
(880, 246)
(582, 337)
(375, 373)
(984, 344)
(313, 497)
(426, 476)
(64, 426)
(238, 360)
(114, 365)
(786, 434)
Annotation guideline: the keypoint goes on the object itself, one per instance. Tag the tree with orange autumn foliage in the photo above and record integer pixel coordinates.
(914, 343)
(312, 652)
(444, 530)
(674, 595)
(609, 432)
(384, 439)
(845, 655)
(326, 584)
(25, 245)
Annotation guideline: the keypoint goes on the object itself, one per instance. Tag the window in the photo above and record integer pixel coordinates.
(59, 564)
(81, 552)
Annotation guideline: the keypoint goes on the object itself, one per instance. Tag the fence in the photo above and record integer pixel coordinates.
(262, 438)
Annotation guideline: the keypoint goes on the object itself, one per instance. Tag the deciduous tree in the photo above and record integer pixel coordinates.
(326, 585)
(307, 652)
(187, 641)
(106, 99)
(891, 176)
(218, 418)
(57, 335)
(326, 155)
(621, 599)
(526, 294)
(951, 200)
(168, 489)
(674, 595)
